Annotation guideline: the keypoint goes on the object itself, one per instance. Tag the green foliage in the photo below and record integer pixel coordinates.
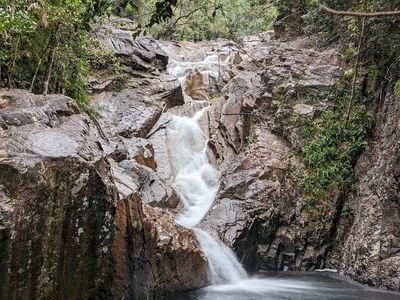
(345, 210)
(46, 46)
(334, 141)
(205, 19)
(397, 89)
(332, 145)
(349, 53)
(287, 7)
(163, 11)
(279, 92)
(381, 45)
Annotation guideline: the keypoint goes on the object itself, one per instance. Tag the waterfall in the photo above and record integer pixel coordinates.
(223, 264)
(197, 183)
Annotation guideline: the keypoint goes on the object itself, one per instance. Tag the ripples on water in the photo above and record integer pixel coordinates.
(290, 286)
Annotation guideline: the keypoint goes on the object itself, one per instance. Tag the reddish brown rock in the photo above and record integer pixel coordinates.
(153, 254)
(71, 222)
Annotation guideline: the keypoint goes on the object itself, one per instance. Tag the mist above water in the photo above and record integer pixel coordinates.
(290, 286)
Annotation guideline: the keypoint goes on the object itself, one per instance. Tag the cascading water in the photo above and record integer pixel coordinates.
(223, 265)
(197, 182)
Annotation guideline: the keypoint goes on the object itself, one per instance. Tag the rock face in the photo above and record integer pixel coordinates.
(371, 252)
(76, 220)
(57, 202)
(253, 131)
(87, 206)
(153, 256)
(141, 54)
(252, 134)
(72, 224)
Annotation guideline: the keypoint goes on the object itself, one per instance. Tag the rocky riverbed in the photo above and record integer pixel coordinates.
(87, 205)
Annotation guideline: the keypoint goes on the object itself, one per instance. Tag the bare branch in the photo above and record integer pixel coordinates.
(187, 15)
(360, 14)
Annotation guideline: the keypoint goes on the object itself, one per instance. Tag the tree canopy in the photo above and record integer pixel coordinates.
(47, 45)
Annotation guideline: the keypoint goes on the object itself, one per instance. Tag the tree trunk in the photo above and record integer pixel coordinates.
(49, 67)
(11, 67)
(38, 66)
(35, 74)
(353, 87)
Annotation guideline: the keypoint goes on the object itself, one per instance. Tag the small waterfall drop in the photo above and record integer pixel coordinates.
(222, 262)
(197, 182)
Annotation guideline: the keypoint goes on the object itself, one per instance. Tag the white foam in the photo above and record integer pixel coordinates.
(197, 183)
(196, 180)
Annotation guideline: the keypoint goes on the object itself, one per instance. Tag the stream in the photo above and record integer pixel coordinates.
(290, 286)
(197, 183)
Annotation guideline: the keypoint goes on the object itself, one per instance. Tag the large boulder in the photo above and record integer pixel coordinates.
(142, 53)
(72, 224)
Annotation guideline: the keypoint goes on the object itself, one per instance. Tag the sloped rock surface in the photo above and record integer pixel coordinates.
(129, 116)
(58, 200)
(72, 223)
(371, 251)
(141, 54)
(252, 133)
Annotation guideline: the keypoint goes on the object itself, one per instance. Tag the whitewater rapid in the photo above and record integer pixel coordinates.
(197, 183)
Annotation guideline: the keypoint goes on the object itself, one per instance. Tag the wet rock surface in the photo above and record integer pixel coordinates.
(252, 132)
(87, 205)
(275, 89)
(74, 223)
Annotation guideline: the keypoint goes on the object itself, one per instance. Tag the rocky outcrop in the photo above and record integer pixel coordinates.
(140, 54)
(371, 252)
(153, 256)
(253, 130)
(87, 205)
(57, 201)
(71, 221)
(76, 220)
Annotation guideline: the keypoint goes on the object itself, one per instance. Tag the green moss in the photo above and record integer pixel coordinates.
(332, 144)
(119, 82)
(349, 53)
(279, 92)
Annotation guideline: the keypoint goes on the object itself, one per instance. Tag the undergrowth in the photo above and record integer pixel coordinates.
(333, 143)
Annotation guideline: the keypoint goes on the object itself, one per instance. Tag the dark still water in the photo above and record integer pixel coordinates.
(290, 286)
